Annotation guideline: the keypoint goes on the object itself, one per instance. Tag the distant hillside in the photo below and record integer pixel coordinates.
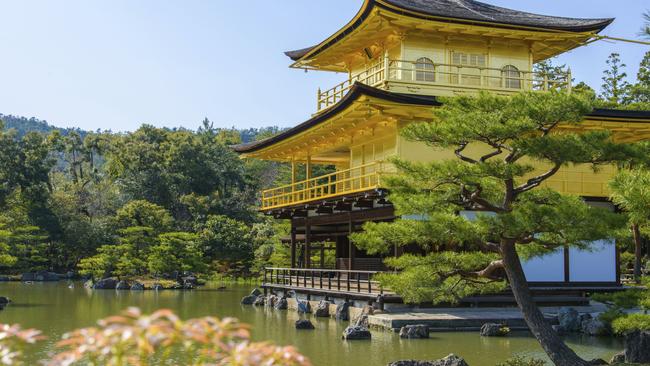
(24, 125)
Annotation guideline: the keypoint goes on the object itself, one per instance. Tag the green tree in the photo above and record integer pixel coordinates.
(269, 249)
(546, 71)
(226, 240)
(176, 252)
(640, 91)
(161, 166)
(141, 213)
(496, 140)
(615, 88)
(630, 191)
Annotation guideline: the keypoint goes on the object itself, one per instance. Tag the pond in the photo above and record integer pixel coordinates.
(54, 308)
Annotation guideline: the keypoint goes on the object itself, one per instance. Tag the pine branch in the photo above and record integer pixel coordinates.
(462, 157)
(536, 181)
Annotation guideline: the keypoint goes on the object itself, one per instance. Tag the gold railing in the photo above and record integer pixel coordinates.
(416, 76)
(357, 179)
(373, 76)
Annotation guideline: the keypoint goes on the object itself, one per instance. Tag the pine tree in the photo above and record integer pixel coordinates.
(630, 192)
(494, 139)
(615, 88)
(640, 91)
(547, 71)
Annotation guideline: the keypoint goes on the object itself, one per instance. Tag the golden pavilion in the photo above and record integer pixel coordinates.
(400, 56)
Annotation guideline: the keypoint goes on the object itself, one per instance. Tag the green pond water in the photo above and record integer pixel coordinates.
(54, 308)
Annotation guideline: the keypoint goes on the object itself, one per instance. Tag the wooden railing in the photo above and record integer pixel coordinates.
(356, 179)
(447, 76)
(324, 279)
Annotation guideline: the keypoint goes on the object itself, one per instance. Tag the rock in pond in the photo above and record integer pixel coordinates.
(343, 311)
(281, 304)
(595, 327)
(157, 287)
(271, 300)
(304, 324)
(637, 347)
(494, 330)
(122, 285)
(259, 301)
(105, 284)
(248, 300)
(89, 284)
(323, 309)
(451, 360)
(4, 300)
(618, 358)
(256, 292)
(355, 332)
(304, 307)
(414, 331)
(569, 318)
(137, 286)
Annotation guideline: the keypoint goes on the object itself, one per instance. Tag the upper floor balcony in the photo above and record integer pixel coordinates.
(424, 76)
(354, 180)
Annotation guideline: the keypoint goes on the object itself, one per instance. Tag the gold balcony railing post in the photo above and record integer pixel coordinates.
(569, 79)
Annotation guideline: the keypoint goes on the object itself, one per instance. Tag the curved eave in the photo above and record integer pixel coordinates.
(589, 26)
(357, 91)
(620, 114)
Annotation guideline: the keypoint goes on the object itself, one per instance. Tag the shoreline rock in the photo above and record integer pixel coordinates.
(323, 309)
(342, 311)
(281, 304)
(569, 319)
(304, 307)
(39, 276)
(105, 284)
(637, 347)
(450, 360)
(494, 330)
(355, 332)
(415, 331)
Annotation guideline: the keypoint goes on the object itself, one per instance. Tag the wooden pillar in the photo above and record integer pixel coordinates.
(308, 176)
(350, 246)
(308, 167)
(293, 245)
(307, 243)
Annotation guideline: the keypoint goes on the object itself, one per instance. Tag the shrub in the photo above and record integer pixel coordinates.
(631, 323)
(520, 361)
(623, 299)
(610, 315)
(136, 339)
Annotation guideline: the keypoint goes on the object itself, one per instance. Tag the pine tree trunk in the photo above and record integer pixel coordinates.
(557, 351)
(637, 253)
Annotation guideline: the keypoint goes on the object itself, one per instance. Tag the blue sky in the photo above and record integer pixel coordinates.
(117, 64)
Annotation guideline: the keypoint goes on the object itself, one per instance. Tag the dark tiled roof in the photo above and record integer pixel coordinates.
(470, 10)
(620, 113)
(355, 92)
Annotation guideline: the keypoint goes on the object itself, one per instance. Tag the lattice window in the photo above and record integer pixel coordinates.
(511, 77)
(425, 70)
